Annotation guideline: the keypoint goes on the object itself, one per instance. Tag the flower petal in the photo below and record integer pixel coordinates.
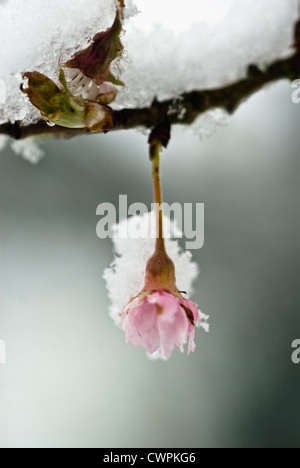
(193, 308)
(159, 321)
(139, 324)
(95, 60)
(173, 331)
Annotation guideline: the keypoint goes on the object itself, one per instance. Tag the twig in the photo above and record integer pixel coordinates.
(181, 110)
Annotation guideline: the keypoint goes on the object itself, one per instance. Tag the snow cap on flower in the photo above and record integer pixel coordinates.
(60, 107)
(160, 318)
(125, 280)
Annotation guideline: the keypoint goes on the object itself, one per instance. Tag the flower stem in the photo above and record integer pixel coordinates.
(155, 157)
(160, 270)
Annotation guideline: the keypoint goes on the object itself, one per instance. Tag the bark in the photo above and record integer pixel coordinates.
(181, 110)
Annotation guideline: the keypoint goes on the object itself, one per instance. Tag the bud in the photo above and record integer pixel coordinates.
(61, 107)
(94, 61)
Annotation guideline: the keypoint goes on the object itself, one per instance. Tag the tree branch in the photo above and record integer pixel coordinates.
(181, 110)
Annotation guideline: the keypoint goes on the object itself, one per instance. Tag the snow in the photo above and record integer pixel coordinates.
(41, 35)
(208, 123)
(2, 92)
(179, 46)
(170, 46)
(28, 149)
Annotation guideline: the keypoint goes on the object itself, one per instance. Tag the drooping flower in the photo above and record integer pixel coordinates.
(159, 318)
(160, 321)
(125, 279)
(59, 106)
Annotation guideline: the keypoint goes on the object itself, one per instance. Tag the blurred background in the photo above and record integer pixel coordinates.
(70, 379)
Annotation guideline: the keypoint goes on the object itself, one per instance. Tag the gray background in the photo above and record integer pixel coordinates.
(70, 380)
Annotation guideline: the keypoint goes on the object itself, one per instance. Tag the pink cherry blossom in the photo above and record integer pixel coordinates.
(160, 321)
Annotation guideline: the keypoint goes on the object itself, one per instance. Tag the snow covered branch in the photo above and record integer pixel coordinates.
(181, 110)
(108, 69)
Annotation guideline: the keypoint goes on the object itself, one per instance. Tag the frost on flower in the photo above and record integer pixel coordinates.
(125, 279)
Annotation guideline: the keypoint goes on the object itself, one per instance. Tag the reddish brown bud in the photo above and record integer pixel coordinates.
(94, 61)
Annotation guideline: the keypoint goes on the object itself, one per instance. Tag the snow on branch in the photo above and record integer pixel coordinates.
(181, 110)
(153, 68)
